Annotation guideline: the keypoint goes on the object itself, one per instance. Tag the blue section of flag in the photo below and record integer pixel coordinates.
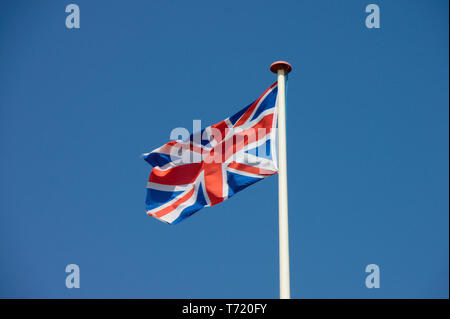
(188, 211)
(234, 118)
(158, 159)
(237, 182)
(263, 151)
(267, 103)
(156, 198)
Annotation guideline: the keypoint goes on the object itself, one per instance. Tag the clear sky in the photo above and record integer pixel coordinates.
(367, 133)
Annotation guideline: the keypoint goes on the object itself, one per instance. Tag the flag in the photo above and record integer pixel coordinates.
(215, 163)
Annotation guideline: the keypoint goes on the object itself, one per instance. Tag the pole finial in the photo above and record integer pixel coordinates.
(280, 65)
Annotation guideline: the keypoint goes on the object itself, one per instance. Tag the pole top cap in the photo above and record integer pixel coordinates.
(280, 65)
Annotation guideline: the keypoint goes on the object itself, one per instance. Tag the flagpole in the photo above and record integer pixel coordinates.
(282, 68)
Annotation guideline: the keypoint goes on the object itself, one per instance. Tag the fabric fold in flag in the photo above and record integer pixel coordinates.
(214, 164)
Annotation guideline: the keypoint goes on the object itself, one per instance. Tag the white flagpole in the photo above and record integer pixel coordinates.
(282, 68)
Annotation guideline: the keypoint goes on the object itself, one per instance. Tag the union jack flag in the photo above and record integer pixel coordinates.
(215, 163)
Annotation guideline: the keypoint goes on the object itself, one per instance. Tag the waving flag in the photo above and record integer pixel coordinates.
(215, 163)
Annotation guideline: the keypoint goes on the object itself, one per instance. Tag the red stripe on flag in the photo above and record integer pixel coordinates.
(252, 135)
(250, 110)
(178, 175)
(250, 169)
(214, 182)
(172, 207)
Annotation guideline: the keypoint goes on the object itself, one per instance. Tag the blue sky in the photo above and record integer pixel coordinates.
(367, 133)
